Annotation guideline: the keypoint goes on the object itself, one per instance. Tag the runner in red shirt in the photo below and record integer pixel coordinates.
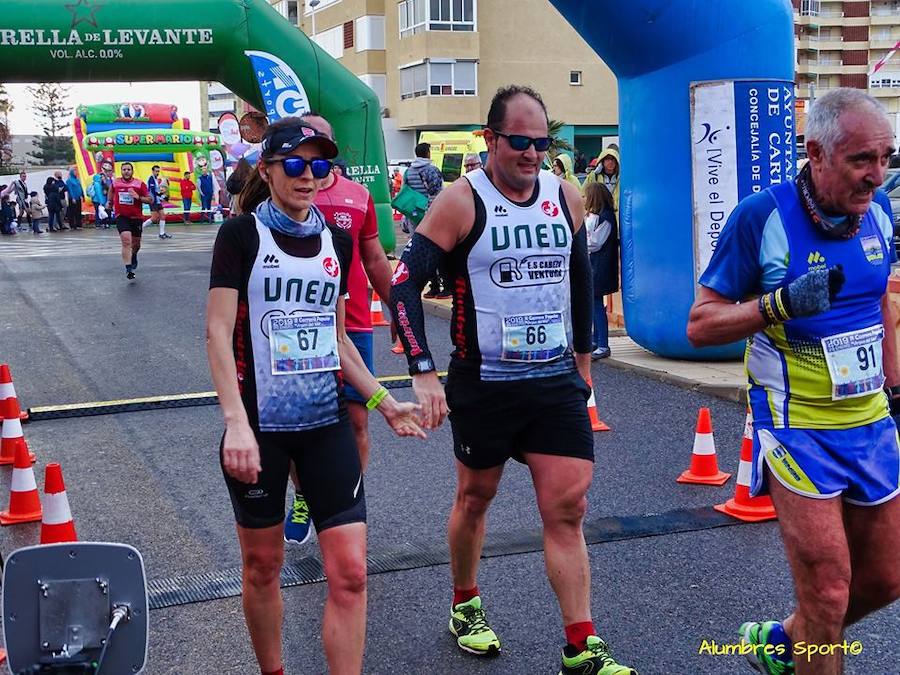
(349, 206)
(127, 197)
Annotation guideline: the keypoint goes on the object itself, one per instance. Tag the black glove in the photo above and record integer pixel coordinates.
(807, 295)
(893, 394)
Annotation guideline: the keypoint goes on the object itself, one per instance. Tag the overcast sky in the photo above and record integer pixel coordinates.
(186, 95)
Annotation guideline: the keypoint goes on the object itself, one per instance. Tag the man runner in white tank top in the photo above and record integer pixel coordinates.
(510, 241)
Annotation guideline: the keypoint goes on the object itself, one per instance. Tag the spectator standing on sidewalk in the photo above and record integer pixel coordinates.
(75, 194)
(425, 178)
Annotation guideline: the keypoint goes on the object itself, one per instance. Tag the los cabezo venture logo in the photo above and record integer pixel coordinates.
(87, 39)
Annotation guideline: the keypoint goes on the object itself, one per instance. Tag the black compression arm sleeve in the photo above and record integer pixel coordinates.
(418, 263)
(582, 292)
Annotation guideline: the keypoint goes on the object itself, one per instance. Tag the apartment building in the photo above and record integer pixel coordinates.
(839, 42)
(435, 64)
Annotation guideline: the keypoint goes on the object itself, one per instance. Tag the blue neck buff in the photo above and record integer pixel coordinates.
(276, 219)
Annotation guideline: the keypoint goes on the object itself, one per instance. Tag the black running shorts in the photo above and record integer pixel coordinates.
(133, 225)
(493, 421)
(330, 475)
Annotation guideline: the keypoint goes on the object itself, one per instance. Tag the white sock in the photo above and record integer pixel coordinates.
(162, 226)
(147, 222)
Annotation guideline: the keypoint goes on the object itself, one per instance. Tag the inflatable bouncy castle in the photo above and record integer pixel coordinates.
(145, 134)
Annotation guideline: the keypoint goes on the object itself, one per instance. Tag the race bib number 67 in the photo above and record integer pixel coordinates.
(303, 344)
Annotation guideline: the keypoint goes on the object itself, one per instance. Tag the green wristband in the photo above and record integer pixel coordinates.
(379, 395)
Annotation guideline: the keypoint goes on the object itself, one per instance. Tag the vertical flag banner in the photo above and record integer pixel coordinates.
(282, 92)
(742, 141)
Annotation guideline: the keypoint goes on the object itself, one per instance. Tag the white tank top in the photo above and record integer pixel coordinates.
(292, 303)
(518, 273)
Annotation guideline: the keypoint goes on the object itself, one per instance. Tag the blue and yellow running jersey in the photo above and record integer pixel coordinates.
(789, 379)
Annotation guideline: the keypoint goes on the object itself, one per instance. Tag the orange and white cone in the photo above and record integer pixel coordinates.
(704, 466)
(8, 390)
(57, 525)
(376, 311)
(742, 506)
(12, 436)
(24, 502)
(596, 423)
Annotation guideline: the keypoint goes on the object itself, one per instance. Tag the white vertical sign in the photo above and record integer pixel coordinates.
(714, 162)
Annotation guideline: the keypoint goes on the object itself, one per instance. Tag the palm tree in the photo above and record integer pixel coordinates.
(558, 144)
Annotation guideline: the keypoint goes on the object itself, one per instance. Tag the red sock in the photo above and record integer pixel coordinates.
(464, 594)
(577, 634)
(280, 671)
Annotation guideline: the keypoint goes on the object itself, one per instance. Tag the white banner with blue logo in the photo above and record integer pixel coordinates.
(282, 92)
(742, 140)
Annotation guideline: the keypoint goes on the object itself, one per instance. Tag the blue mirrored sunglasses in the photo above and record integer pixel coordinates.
(295, 166)
(520, 143)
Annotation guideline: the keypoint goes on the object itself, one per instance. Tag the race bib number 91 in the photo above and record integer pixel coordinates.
(534, 337)
(303, 344)
(854, 362)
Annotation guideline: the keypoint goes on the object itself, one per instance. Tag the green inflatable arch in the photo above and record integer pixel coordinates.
(244, 44)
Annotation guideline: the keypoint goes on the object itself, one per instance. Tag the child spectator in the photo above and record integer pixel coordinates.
(7, 215)
(37, 212)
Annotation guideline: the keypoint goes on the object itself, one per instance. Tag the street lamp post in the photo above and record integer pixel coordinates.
(312, 5)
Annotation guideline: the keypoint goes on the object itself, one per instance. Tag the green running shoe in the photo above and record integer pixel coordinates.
(596, 659)
(469, 625)
(768, 662)
(297, 525)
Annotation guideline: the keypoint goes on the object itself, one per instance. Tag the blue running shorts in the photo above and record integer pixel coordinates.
(363, 342)
(861, 464)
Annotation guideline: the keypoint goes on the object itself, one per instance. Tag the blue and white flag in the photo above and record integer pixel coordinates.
(282, 92)
(742, 141)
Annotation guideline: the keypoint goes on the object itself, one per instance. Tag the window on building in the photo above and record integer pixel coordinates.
(414, 81)
(290, 10)
(809, 7)
(453, 15)
(891, 80)
(412, 17)
(574, 77)
(439, 78)
(332, 41)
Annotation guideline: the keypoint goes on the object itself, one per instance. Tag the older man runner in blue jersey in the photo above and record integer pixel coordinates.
(801, 270)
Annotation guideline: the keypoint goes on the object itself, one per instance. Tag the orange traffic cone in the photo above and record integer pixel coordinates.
(57, 525)
(8, 390)
(376, 311)
(742, 506)
(596, 423)
(704, 466)
(397, 348)
(24, 502)
(12, 433)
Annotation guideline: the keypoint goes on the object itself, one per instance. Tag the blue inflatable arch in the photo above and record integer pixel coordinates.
(705, 117)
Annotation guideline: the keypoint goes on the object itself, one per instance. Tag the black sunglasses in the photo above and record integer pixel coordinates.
(521, 143)
(295, 166)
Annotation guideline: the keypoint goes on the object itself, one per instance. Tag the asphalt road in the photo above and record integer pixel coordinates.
(73, 330)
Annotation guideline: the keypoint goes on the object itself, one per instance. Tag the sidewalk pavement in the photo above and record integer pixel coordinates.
(725, 379)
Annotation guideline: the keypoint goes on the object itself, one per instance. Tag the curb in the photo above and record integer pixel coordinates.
(725, 391)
